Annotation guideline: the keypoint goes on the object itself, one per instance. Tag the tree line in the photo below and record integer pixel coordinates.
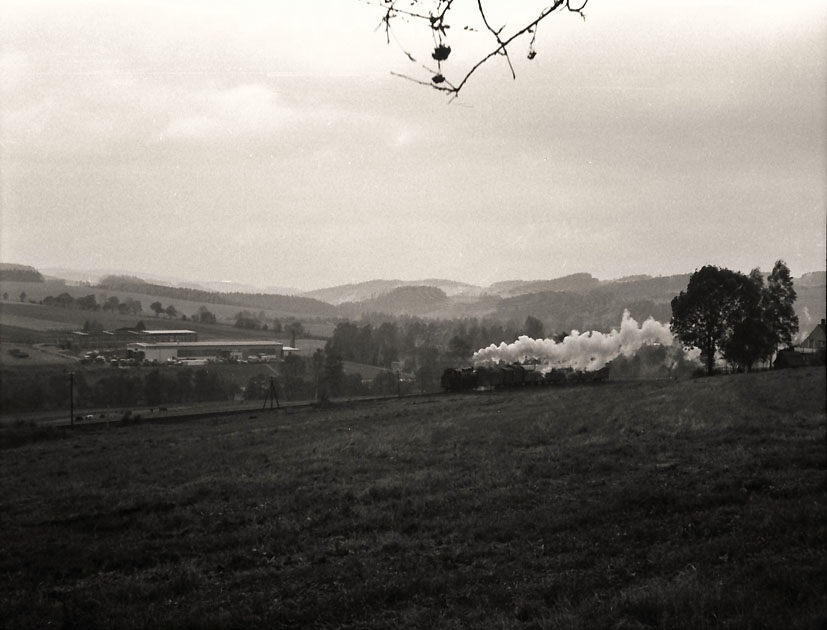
(419, 348)
(118, 388)
(90, 302)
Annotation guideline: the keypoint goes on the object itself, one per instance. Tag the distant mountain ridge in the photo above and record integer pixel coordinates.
(812, 279)
(372, 289)
(576, 282)
(94, 276)
(404, 300)
(573, 301)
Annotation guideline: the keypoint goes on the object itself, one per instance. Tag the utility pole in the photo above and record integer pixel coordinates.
(271, 395)
(72, 399)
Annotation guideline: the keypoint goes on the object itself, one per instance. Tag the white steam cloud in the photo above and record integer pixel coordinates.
(586, 351)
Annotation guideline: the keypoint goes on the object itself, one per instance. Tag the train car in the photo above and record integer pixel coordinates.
(490, 377)
(513, 375)
(459, 379)
(589, 376)
(533, 377)
(555, 377)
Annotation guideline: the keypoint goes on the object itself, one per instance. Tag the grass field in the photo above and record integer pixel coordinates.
(40, 317)
(694, 504)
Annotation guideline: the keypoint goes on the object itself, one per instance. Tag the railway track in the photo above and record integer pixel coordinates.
(143, 414)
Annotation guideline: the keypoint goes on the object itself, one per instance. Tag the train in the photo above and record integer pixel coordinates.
(505, 376)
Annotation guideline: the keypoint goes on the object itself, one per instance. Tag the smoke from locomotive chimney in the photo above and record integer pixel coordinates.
(581, 351)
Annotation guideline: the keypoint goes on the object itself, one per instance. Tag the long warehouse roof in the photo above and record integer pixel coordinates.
(209, 344)
(165, 332)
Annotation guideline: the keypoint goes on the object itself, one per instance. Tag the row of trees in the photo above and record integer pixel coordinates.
(400, 339)
(735, 316)
(89, 302)
(423, 348)
(259, 321)
(159, 309)
(130, 306)
(322, 376)
(304, 378)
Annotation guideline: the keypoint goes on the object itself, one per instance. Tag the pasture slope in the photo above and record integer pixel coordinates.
(693, 504)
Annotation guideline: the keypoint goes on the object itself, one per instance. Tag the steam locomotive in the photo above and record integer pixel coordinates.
(515, 375)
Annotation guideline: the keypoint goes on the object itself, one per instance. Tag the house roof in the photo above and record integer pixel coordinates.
(819, 333)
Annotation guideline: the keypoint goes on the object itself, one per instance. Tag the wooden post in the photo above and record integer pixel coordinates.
(72, 399)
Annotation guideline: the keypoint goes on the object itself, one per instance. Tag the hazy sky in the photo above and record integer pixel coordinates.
(268, 143)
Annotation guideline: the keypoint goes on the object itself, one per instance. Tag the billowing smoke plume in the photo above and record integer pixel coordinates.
(581, 351)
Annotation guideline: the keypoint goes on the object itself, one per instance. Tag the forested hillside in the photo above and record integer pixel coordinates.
(288, 305)
(10, 272)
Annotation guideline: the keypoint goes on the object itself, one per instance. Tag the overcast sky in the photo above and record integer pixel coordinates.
(268, 143)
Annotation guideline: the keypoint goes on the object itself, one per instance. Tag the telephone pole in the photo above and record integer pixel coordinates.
(72, 399)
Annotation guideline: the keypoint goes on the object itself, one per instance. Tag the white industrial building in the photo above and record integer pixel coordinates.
(210, 350)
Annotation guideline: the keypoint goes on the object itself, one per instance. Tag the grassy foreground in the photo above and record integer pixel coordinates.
(697, 504)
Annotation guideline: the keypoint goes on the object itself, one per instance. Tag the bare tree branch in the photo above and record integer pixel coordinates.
(496, 35)
(436, 20)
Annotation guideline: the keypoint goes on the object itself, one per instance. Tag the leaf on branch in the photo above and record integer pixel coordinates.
(438, 78)
(441, 52)
(532, 54)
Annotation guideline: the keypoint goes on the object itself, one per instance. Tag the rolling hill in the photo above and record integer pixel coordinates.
(574, 301)
(373, 289)
(404, 300)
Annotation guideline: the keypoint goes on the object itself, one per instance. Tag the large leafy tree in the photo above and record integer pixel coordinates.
(333, 373)
(737, 316)
(87, 303)
(293, 370)
(705, 314)
(751, 337)
(779, 300)
(769, 319)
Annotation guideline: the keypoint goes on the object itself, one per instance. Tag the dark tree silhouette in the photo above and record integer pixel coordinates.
(751, 338)
(769, 320)
(111, 304)
(736, 315)
(435, 16)
(333, 372)
(534, 328)
(780, 298)
(459, 347)
(87, 303)
(705, 314)
(204, 315)
(293, 370)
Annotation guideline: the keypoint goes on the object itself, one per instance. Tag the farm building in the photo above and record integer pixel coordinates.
(213, 350)
(808, 352)
(816, 340)
(168, 335)
(80, 340)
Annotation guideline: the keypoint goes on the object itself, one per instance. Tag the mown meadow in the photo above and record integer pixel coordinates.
(641, 504)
